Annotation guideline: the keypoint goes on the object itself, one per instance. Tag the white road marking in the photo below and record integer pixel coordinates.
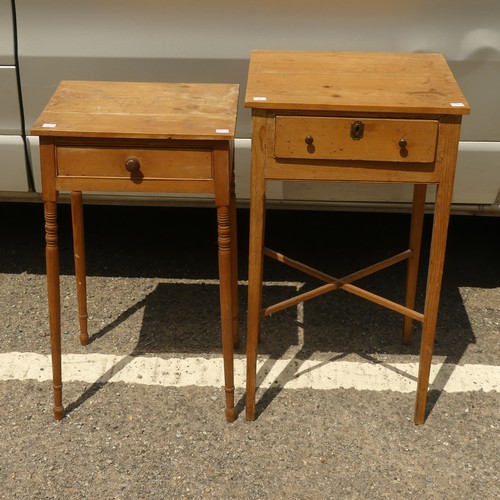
(291, 374)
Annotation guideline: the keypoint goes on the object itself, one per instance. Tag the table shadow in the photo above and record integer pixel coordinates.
(178, 318)
(165, 242)
(342, 324)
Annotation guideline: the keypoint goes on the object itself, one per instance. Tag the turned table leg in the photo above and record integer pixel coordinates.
(52, 259)
(226, 305)
(228, 277)
(80, 272)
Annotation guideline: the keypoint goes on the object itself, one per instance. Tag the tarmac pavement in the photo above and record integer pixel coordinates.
(335, 407)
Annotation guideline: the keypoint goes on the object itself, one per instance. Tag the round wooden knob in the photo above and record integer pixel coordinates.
(132, 164)
(309, 139)
(403, 143)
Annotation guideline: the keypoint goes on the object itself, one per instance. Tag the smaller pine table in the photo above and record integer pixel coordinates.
(138, 137)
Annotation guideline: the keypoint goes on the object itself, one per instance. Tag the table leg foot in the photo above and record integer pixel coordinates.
(58, 412)
(250, 413)
(230, 415)
(230, 410)
(420, 408)
(419, 420)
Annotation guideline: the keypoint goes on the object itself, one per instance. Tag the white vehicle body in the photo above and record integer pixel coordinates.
(42, 43)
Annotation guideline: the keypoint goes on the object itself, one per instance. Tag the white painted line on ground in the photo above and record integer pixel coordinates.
(288, 373)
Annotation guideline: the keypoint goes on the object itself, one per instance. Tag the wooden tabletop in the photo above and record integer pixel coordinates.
(353, 81)
(140, 110)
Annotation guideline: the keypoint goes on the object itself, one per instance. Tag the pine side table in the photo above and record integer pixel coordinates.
(138, 137)
(354, 117)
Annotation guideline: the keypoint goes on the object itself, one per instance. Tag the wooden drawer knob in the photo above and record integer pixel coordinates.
(403, 143)
(309, 139)
(132, 164)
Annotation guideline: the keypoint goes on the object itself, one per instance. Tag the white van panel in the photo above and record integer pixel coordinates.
(33, 147)
(195, 41)
(478, 173)
(211, 42)
(6, 34)
(13, 175)
(10, 114)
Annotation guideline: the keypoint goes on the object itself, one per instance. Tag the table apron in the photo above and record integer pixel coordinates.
(352, 172)
(135, 185)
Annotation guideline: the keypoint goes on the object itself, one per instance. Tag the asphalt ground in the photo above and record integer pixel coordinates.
(152, 293)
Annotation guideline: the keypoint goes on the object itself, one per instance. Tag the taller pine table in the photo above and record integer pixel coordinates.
(138, 137)
(354, 117)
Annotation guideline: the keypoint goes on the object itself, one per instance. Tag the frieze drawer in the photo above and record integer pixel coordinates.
(127, 162)
(369, 139)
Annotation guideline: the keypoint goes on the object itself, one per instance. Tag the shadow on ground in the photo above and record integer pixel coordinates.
(181, 243)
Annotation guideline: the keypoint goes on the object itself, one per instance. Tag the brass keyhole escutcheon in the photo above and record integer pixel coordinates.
(357, 130)
(403, 151)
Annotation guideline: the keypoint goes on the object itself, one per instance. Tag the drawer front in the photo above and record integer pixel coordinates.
(370, 139)
(144, 163)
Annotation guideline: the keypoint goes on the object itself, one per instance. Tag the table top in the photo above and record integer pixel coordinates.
(353, 81)
(140, 110)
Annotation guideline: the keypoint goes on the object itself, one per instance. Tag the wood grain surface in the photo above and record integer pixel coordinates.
(352, 81)
(140, 110)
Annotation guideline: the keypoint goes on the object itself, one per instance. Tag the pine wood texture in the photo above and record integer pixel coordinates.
(353, 82)
(306, 108)
(140, 110)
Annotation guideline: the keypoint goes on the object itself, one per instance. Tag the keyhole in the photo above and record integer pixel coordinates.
(357, 129)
